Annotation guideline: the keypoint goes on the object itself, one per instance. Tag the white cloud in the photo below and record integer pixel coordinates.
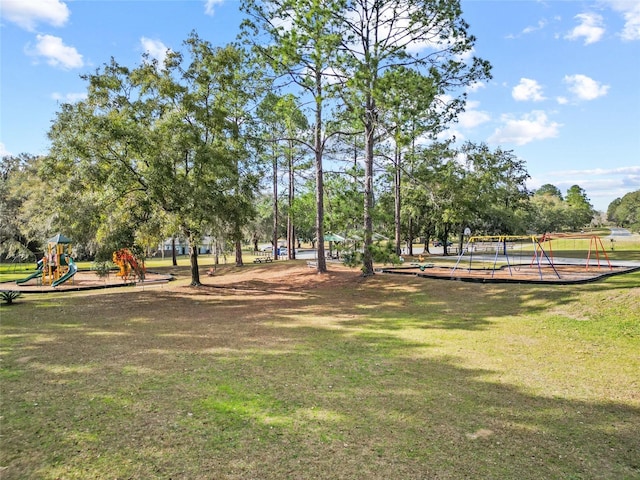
(632, 171)
(471, 117)
(69, 97)
(585, 88)
(209, 6)
(531, 29)
(562, 100)
(527, 89)
(466, 56)
(532, 126)
(475, 86)
(57, 53)
(590, 28)
(28, 13)
(630, 10)
(3, 151)
(155, 48)
(445, 135)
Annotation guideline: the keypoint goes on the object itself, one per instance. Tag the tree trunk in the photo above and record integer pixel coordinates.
(238, 243)
(445, 239)
(174, 259)
(410, 241)
(367, 267)
(321, 261)
(291, 246)
(193, 259)
(397, 179)
(274, 235)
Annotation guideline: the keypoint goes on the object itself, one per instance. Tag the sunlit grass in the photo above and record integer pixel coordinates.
(388, 377)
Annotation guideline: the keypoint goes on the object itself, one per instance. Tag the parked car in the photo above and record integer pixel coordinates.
(267, 247)
(438, 243)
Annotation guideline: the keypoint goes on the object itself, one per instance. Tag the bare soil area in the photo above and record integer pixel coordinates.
(260, 278)
(279, 277)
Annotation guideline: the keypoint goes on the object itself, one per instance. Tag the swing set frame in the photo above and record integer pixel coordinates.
(541, 254)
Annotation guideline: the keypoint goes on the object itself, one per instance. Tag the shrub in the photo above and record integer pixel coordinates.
(9, 296)
(102, 269)
(381, 253)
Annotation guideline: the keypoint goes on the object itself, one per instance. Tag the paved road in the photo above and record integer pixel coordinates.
(620, 232)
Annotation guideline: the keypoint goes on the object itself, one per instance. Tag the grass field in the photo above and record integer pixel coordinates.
(274, 372)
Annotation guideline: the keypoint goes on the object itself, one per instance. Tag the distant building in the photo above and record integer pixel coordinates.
(182, 246)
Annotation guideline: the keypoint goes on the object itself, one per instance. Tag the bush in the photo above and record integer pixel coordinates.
(381, 253)
(9, 296)
(102, 269)
(351, 259)
(384, 253)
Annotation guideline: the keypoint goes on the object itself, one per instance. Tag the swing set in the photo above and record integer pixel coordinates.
(512, 250)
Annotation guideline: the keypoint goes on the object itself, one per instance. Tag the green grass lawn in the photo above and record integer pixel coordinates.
(388, 377)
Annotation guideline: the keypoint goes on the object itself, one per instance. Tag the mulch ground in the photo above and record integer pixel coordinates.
(518, 273)
(84, 281)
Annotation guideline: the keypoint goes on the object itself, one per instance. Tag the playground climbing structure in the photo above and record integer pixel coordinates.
(129, 266)
(57, 264)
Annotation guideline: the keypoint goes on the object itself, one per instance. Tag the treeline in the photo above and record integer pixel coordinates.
(323, 118)
(440, 194)
(625, 211)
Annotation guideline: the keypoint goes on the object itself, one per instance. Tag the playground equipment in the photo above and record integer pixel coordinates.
(72, 269)
(500, 245)
(503, 248)
(37, 273)
(129, 266)
(525, 259)
(57, 262)
(57, 266)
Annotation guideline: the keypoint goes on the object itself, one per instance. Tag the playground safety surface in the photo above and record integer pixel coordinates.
(86, 281)
(516, 273)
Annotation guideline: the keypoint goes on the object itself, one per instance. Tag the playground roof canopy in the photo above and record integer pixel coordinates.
(59, 238)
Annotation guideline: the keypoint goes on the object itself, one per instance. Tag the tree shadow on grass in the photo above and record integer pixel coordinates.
(437, 420)
(204, 384)
(325, 404)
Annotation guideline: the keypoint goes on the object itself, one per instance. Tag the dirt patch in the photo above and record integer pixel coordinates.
(279, 277)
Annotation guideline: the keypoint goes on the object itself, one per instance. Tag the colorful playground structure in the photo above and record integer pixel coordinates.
(128, 265)
(57, 266)
(579, 258)
(511, 249)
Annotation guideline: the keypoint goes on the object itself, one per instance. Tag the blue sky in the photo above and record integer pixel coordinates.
(565, 93)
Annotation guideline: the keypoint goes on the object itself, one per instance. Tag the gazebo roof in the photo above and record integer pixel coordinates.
(334, 237)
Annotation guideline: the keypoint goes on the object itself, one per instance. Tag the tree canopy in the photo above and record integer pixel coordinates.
(160, 136)
(329, 122)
